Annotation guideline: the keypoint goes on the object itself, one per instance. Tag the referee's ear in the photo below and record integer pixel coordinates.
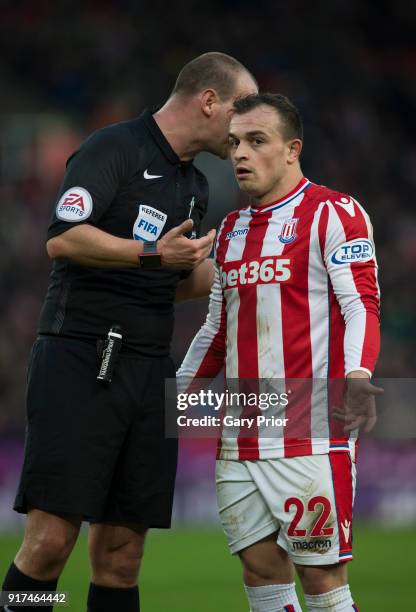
(209, 98)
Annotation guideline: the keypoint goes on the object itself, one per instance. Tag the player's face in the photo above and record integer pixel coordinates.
(224, 111)
(260, 154)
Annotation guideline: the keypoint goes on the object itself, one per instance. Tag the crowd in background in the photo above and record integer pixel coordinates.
(69, 68)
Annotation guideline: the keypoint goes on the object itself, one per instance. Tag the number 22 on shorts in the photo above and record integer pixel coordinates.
(318, 528)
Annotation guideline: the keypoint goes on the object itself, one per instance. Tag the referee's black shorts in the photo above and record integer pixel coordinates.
(94, 450)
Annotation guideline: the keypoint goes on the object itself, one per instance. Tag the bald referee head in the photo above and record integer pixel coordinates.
(197, 115)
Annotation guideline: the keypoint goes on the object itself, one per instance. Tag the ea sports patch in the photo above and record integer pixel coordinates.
(74, 205)
(149, 223)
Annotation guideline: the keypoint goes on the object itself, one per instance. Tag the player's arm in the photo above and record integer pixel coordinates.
(352, 267)
(90, 246)
(198, 284)
(206, 355)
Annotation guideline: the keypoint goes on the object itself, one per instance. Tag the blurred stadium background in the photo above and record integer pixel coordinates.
(68, 68)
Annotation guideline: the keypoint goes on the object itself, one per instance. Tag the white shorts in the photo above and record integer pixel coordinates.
(308, 500)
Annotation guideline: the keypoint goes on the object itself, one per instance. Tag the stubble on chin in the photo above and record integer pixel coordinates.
(248, 187)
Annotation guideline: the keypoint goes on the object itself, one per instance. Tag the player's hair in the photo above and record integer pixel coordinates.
(287, 111)
(214, 70)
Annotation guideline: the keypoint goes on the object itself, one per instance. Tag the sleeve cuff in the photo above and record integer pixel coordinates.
(359, 369)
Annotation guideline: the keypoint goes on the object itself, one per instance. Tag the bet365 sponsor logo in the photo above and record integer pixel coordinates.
(261, 271)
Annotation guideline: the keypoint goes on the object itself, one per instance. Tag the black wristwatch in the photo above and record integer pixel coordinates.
(150, 259)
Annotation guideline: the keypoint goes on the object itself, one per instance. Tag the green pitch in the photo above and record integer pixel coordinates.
(192, 571)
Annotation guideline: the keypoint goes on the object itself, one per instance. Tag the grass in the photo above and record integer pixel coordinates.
(188, 570)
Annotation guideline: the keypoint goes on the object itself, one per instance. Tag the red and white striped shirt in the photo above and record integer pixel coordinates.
(295, 296)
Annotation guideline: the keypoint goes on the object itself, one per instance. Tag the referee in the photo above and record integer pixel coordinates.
(124, 237)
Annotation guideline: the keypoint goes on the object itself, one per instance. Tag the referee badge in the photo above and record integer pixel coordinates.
(149, 223)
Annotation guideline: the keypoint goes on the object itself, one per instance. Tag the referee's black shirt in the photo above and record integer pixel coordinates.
(126, 180)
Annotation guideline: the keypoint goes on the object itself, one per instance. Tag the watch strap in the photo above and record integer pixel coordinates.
(150, 259)
(150, 248)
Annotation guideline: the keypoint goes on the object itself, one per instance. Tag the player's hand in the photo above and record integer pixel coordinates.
(178, 251)
(359, 403)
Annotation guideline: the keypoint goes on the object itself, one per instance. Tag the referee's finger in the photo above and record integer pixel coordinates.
(183, 228)
(211, 234)
(205, 241)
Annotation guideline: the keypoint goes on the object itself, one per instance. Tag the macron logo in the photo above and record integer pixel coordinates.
(236, 233)
(347, 204)
(151, 176)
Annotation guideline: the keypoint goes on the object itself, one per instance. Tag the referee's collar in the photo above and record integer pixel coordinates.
(158, 136)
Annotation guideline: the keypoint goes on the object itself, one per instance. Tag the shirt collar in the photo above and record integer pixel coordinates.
(300, 187)
(158, 136)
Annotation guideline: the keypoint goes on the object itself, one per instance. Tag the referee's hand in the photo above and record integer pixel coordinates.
(178, 251)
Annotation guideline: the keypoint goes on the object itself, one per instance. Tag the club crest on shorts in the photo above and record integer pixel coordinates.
(149, 223)
(74, 205)
(288, 233)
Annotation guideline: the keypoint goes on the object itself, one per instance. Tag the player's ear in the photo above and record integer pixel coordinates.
(208, 98)
(294, 150)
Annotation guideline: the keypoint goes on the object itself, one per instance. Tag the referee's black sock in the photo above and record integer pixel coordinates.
(107, 599)
(15, 580)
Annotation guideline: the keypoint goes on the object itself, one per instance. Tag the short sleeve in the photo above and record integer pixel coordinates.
(94, 174)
